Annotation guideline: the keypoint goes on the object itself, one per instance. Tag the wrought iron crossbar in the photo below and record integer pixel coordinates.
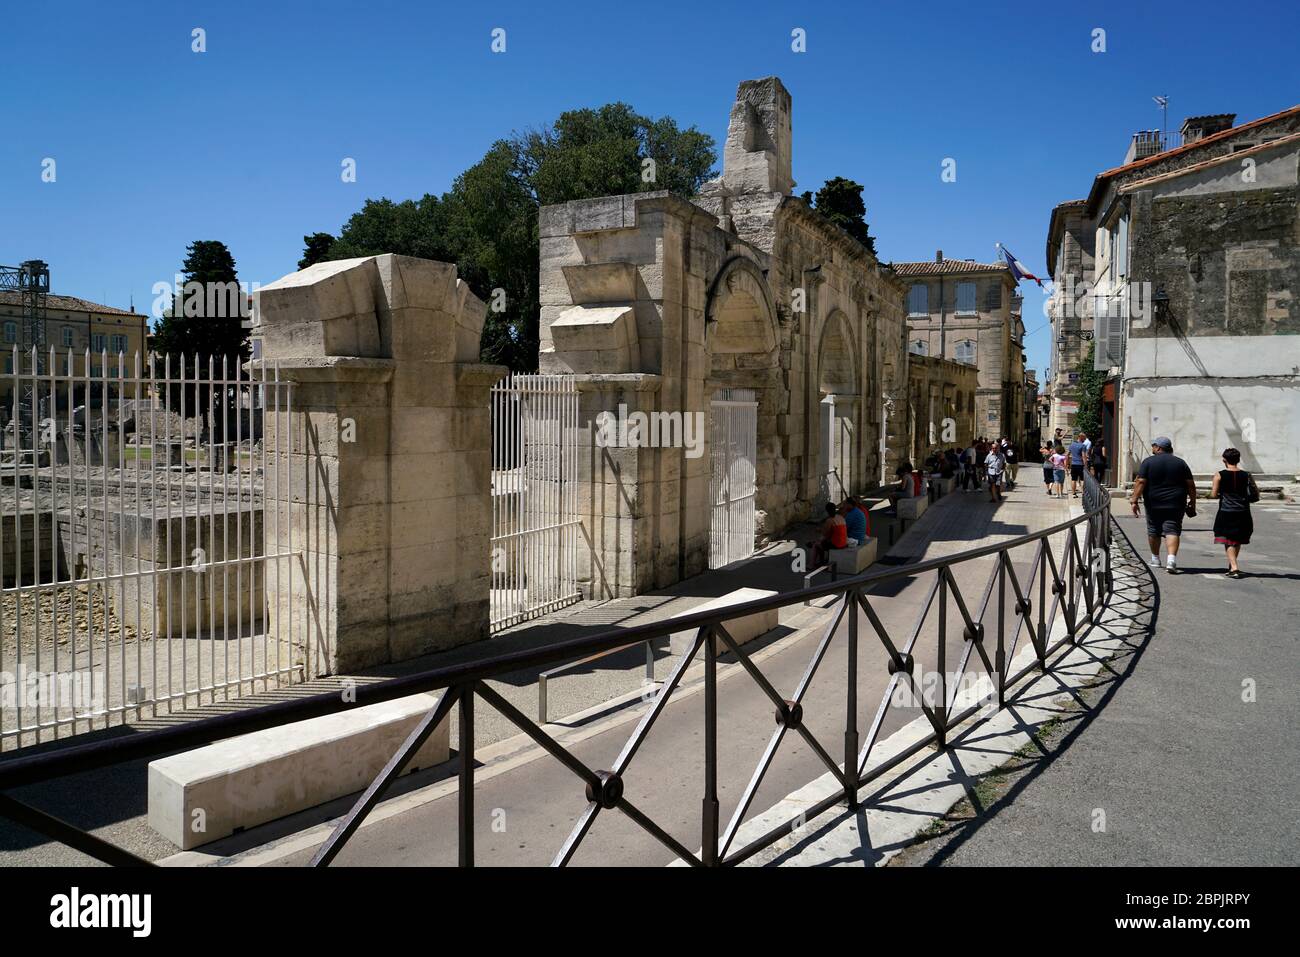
(1076, 585)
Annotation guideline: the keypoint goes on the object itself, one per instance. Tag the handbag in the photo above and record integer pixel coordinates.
(1252, 494)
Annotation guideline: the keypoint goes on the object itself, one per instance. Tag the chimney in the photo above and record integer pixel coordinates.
(938, 255)
(1196, 128)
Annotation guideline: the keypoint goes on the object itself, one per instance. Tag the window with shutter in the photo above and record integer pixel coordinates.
(965, 298)
(993, 297)
(965, 351)
(918, 300)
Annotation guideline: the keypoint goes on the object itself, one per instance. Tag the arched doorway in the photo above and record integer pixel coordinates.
(838, 386)
(742, 383)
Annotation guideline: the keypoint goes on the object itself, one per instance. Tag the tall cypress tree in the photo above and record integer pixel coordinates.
(203, 328)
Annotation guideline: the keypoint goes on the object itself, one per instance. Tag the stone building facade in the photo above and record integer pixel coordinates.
(1070, 238)
(659, 304)
(941, 404)
(75, 325)
(969, 311)
(1194, 292)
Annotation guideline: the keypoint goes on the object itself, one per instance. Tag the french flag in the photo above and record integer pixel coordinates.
(1016, 266)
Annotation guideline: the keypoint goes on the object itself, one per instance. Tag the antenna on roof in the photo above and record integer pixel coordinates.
(1163, 103)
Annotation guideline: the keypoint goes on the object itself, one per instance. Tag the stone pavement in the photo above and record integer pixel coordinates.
(913, 800)
(1188, 747)
(536, 801)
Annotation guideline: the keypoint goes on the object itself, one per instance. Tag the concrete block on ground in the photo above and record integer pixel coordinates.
(741, 630)
(910, 509)
(851, 561)
(254, 778)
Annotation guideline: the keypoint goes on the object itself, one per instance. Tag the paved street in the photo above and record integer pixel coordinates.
(533, 801)
(1185, 770)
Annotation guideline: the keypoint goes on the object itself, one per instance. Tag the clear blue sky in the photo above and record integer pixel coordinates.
(157, 146)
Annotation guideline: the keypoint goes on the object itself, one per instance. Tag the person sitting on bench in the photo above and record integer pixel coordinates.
(856, 520)
(834, 535)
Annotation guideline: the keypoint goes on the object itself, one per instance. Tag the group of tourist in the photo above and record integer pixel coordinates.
(1080, 456)
(991, 462)
(1164, 484)
(846, 525)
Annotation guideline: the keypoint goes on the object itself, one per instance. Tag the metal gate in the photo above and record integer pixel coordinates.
(534, 497)
(733, 448)
(142, 509)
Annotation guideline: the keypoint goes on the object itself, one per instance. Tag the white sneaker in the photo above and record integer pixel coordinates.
(1155, 561)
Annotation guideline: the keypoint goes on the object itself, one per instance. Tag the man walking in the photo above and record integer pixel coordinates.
(1013, 463)
(994, 464)
(1165, 486)
(1078, 455)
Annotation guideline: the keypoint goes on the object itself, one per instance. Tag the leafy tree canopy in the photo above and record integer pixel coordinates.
(840, 201)
(316, 249)
(1092, 383)
(487, 222)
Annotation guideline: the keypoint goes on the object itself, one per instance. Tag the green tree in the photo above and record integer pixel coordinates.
(1092, 383)
(316, 248)
(203, 328)
(487, 222)
(840, 201)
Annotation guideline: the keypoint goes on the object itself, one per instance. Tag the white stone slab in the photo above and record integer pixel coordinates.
(851, 561)
(258, 777)
(743, 629)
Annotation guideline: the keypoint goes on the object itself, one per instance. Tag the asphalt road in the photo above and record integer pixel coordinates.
(1171, 757)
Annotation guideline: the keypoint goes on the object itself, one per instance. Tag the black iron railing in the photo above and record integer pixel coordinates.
(1071, 588)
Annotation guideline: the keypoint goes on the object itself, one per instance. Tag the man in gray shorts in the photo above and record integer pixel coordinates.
(1165, 486)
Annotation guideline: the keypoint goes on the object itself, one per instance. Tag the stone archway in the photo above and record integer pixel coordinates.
(839, 389)
(742, 352)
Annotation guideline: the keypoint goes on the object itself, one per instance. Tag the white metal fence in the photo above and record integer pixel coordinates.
(534, 497)
(137, 501)
(733, 450)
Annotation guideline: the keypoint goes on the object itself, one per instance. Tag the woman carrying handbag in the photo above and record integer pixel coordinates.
(1236, 490)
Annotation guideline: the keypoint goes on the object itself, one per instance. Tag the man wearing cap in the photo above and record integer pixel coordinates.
(1165, 485)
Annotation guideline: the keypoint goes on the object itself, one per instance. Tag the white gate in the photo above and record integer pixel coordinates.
(733, 450)
(143, 505)
(534, 497)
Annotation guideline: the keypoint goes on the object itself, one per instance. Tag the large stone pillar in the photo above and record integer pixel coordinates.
(382, 462)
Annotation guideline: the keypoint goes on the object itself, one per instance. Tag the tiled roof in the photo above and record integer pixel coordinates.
(1151, 160)
(948, 267)
(68, 304)
(1236, 158)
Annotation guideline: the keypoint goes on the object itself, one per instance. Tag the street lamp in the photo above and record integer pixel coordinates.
(1160, 302)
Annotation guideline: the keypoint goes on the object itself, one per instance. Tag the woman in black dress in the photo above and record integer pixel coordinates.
(1235, 490)
(1098, 461)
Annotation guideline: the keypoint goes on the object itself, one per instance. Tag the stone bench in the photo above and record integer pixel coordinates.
(259, 777)
(852, 560)
(940, 486)
(741, 629)
(910, 509)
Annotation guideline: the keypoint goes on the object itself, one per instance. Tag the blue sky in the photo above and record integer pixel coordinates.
(157, 146)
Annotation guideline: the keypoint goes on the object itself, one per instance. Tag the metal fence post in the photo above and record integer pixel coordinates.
(851, 710)
(709, 824)
(942, 705)
(467, 776)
